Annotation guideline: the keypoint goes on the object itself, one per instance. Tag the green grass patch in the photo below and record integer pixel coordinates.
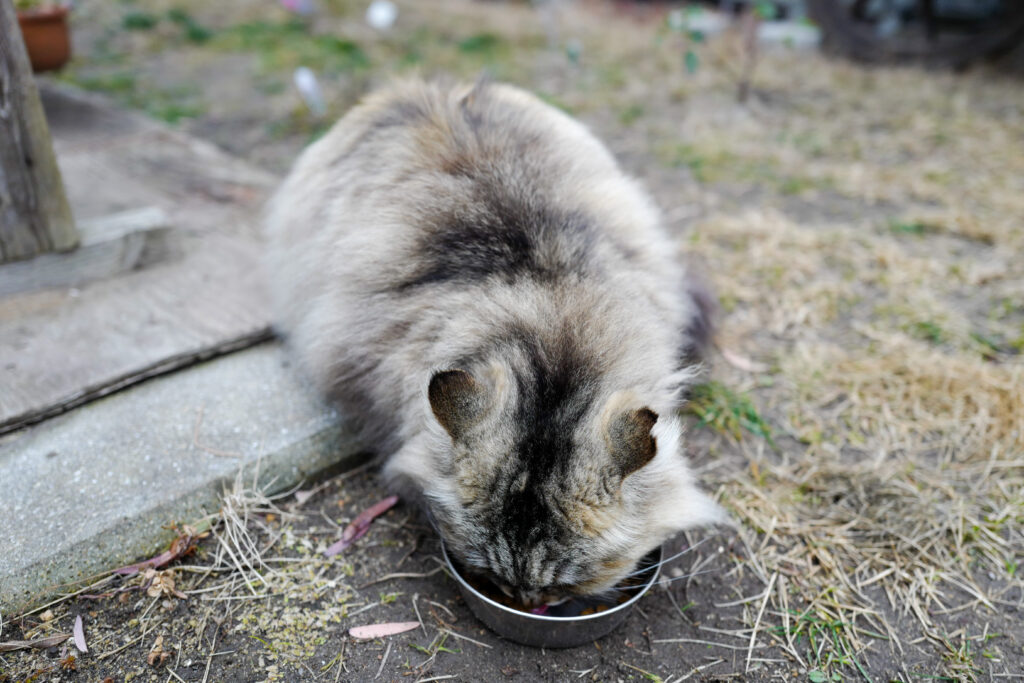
(170, 105)
(986, 346)
(928, 330)
(827, 645)
(912, 227)
(959, 659)
(629, 115)
(796, 185)
(687, 156)
(436, 645)
(119, 84)
(723, 166)
(139, 21)
(728, 412)
(481, 51)
(193, 31)
(556, 102)
(481, 44)
(290, 44)
(646, 675)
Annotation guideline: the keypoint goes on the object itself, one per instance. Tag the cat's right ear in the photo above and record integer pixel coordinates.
(630, 439)
(457, 400)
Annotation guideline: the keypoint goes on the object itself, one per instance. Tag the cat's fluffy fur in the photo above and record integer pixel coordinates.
(468, 270)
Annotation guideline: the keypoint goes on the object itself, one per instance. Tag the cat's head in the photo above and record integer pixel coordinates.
(547, 484)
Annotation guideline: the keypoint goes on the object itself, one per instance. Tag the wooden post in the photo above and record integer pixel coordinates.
(34, 214)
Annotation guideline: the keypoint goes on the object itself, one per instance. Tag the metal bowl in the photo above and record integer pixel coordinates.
(539, 630)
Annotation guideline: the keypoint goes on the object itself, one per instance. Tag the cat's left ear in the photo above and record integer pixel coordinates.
(457, 400)
(630, 440)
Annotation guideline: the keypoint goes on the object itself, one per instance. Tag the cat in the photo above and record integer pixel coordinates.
(467, 270)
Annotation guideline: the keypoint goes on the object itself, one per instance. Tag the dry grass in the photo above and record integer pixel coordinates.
(899, 493)
(242, 521)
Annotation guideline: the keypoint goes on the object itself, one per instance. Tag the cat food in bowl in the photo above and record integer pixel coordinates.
(574, 622)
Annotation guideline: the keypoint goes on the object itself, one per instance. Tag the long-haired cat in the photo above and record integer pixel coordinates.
(468, 271)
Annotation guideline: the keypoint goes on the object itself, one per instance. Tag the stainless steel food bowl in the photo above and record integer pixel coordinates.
(548, 631)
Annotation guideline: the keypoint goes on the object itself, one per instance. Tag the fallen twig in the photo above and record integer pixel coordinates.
(402, 575)
(462, 637)
(757, 622)
(384, 660)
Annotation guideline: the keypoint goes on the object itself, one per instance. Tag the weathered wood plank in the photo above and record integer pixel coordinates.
(109, 246)
(60, 348)
(34, 214)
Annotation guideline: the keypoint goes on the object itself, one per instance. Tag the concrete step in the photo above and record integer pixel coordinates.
(94, 489)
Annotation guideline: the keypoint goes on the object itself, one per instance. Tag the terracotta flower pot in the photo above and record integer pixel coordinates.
(47, 37)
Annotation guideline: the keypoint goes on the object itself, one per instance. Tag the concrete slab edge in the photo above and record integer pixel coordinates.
(325, 453)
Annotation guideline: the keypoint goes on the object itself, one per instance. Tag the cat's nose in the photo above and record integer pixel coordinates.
(537, 597)
(529, 598)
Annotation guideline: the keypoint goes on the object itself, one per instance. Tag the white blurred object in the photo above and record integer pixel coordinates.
(309, 88)
(706, 22)
(796, 34)
(676, 20)
(304, 7)
(381, 14)
(789, 33)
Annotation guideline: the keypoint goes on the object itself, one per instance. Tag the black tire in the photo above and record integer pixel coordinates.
(845, 35)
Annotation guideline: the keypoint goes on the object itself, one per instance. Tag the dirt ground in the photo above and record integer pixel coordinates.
(862, 417)
(300, 632)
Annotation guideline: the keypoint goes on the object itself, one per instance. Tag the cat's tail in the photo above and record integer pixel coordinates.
(700, 326)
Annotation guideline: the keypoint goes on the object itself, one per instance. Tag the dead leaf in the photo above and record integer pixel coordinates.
(360, 525)
(302, 496)
(184, 544)
(371, 631)
(158, 561)
(157, 658)
(742, 362)
(79, 632)
(161, 583)
(38, 643)
(157, 655)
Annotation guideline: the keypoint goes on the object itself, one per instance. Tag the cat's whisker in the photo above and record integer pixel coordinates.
(607, 594)
(666, 581)
(665, 561)
(432, 521)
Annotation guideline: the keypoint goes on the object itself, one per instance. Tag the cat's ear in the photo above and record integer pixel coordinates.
(458, 401)
(632, 444)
